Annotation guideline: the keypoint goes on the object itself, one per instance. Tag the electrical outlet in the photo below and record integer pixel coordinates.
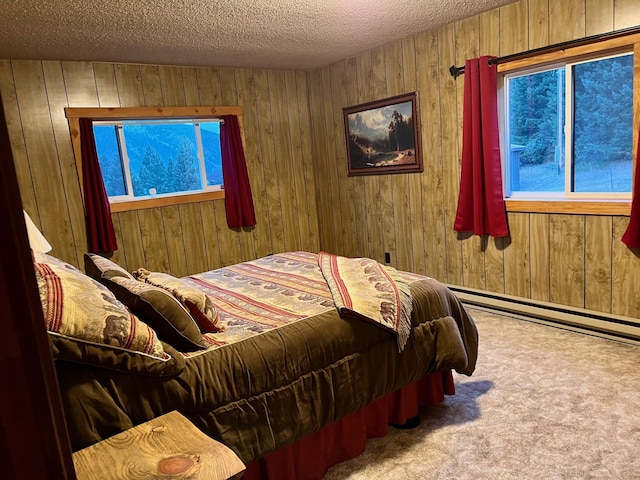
(387, 257)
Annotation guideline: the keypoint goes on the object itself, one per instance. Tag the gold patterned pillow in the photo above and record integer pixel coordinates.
(99, 267)
(77, 307)
(197, 302)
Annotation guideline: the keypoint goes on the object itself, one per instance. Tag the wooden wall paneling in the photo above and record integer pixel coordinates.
(270, 169)
(230, 97)
(566, 259)
(194, 238)
(386, 212)
(284, 159)
(432, 181)
(128, 80)
(377, 182)
(190, 85)
(416, 207)
(366, 93)
(16, 137)
(209, 86)
(307, 168)
(212, 249)
(70, 84)
(150, 76)
(176, 245)
(227, 238)
(79, 82)
(297, 165)
(347, 220)
(172, 86)
(566, 20)
(539, 257)
(399, 182)
(247, 98)
(154, 242)
(489, 42)
(43, 158)
(119, 256)
(467, 42)
(450, 151)
(598, 16)
(319, 147)
(209, 91)
(106, 86)
(625, 275)
(494, 263)
(459, 49)
(331, 176)
(517, 276)
(626, 14)
(598, 255)
(355, 184)
(513, 28)
(131, 240)
(538, 14)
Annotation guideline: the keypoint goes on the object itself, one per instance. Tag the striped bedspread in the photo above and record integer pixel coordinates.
(270, 292)
(366, 290)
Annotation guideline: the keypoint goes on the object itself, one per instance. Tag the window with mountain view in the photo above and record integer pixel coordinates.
(569, 130)
(142, 159)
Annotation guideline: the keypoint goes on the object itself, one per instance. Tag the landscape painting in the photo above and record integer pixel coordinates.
(383, 137)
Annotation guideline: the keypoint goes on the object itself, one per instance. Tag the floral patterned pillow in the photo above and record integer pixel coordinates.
(197, 302)
(76, 306)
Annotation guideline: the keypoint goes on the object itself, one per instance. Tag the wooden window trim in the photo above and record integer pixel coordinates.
(74, 115)
(624, 43)
(581, 207)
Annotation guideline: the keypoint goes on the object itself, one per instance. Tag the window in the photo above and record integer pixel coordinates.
(155, 156)
(142, 159)
(568, 129)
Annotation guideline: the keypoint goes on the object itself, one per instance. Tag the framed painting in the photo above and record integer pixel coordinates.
(383, 136)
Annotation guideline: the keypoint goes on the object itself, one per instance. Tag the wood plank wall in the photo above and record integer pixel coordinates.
(573, 260)
(182, 239)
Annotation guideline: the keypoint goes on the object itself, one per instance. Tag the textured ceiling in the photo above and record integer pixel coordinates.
(299, 34)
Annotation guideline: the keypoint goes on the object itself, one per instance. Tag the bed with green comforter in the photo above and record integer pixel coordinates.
(284, 363)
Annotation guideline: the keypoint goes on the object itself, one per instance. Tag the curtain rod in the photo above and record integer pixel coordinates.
(456, 71)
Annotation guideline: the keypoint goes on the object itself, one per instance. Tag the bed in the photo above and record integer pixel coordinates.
(270, 362)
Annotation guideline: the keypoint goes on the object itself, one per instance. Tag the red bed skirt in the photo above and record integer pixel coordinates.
(311, 457)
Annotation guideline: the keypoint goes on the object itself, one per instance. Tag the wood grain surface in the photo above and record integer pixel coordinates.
(167, 447)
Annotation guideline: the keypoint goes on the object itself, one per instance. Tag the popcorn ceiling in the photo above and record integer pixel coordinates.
(296, 34)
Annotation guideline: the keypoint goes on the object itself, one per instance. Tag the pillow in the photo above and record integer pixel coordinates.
(197, 302)
(79, 308)
(161, 311)
(99, 267)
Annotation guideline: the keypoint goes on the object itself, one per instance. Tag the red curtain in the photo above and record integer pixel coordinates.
(631, 236)
(101, 236)
(481, 208)
(238, 200)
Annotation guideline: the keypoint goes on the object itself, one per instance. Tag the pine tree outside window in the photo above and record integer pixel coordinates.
(145, 159)
(568, 129)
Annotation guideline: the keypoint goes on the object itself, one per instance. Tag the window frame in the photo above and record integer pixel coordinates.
(74, 114)
(574, 204)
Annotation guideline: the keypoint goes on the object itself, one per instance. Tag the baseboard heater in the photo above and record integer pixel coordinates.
(615, 327)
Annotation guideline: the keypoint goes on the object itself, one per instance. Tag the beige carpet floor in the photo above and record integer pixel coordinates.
(543, 403)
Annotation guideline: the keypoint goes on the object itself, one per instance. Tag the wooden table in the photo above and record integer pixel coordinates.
(168, 447)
